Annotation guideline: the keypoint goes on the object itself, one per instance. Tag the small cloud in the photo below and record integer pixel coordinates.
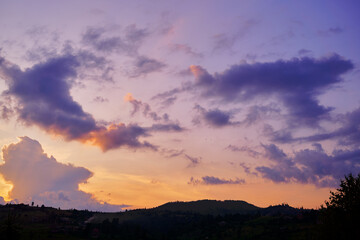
(225, 42)
(171, 153)
(330, 31)
(145, 108)
(105, 40)
(144, 65)
(257, 113)
(247, 169)
(194, 161)
(186, 49)
(210, 180)
(213, 117)
(170, 127)
(245, 149)
(303, 52)
(6, 112)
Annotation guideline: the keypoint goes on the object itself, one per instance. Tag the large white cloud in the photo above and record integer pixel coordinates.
(37, 177)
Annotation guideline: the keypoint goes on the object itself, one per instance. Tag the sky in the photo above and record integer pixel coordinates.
(112, 105)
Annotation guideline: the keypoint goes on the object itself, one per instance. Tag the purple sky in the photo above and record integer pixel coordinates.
(137, 103)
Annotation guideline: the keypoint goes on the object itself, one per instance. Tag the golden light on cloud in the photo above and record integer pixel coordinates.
(5, 188)
(129, 97)
(197, 70)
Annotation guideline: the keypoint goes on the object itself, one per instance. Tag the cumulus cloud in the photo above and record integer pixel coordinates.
(37, 177)
(312, 166)
(296, 83)
(211, 180)
(44, 100)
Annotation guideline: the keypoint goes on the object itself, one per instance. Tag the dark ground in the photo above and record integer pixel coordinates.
(206, 219)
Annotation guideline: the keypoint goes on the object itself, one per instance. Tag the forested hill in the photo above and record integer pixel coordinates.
(211, 207)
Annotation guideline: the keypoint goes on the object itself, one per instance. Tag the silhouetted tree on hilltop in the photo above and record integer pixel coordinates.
(341, 216)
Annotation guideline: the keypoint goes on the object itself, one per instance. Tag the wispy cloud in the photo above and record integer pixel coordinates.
(107, 41)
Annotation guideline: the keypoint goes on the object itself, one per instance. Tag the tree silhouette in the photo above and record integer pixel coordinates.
(341, 217)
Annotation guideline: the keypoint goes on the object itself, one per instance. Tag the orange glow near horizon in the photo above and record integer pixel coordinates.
(155, 193)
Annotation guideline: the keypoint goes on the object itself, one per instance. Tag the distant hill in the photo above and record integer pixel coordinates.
(209, 207)
(200, 207)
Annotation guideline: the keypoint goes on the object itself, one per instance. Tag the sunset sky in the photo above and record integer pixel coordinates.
(107, 105)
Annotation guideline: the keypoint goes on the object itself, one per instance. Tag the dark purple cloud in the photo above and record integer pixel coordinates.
(44, 96)
(5, 112)
(118, 135)
(312, 166)
(348, 134)
(257, 113)
(169, 127)
(44, 100)
(212, 117)
(211, 180)
(218, 118)
(296, 83)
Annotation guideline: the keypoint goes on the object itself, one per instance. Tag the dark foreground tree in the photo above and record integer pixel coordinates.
(341, 216)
